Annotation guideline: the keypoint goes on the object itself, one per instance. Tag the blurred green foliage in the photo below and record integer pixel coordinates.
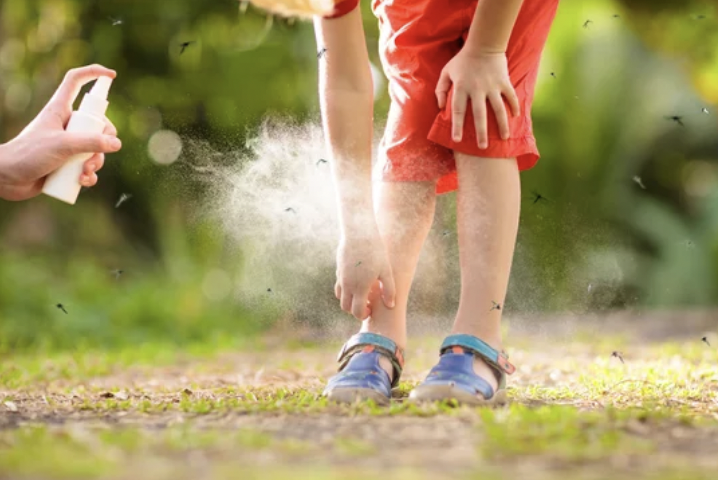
(601, 241)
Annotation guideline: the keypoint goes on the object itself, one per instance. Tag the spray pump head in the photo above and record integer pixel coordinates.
(101, 88)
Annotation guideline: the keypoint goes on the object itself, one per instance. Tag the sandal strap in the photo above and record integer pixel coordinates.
(368, 342)
(498, 360)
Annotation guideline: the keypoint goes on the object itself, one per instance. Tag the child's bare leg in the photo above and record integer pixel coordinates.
(488, 205)
(404, 212)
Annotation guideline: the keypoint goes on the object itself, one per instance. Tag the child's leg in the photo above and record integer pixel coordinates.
(404, 212)
(369, 362)
(488, 204)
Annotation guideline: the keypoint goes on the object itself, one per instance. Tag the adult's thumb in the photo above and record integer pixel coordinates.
(78, 142)
(388, 289)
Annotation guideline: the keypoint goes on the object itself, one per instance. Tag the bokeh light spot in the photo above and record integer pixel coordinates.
(165, 147)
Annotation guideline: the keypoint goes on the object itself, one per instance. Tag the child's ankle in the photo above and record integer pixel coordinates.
(493, 339)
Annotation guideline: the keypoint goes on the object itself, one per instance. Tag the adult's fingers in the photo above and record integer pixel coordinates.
(73, 143)
(442, 88)
(110, 128)
(88, 180)
(458, 113)
(95, 163)
(338, 291)
(74, 79)
(497, 103)
(388, 289)
(478, 107)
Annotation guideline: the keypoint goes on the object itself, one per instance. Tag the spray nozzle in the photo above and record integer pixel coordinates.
(101, 88)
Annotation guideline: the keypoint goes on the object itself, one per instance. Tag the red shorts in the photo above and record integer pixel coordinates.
(418, 38)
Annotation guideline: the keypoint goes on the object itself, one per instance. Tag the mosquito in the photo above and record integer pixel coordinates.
(639, 182)
(116, 21)
(290, 209)
(495, 306)
(705, 340)
(618, 356)
(117, 273)
(587, 23)
(538, 197)
(321, 160)
(123, 198)
(61, 307)
(321, 53)
(676, 118)
(185, 45)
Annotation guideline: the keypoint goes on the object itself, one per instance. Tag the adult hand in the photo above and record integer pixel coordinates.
(44, 145)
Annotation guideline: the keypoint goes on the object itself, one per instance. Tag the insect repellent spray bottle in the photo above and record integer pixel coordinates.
(64, 183)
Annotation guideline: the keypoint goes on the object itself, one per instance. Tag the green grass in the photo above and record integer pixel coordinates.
(560, 432)
(577, 411)
(554, 434)
(677, 378)
(148, 304)
(97, 451)
(42, 366)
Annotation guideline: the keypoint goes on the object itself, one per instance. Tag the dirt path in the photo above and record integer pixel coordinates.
(576, 409)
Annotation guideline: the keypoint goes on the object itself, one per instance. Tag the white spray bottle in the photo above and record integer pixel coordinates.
(64, 183)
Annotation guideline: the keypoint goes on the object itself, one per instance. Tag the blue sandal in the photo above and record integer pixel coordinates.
(454, 377)
(360, 376)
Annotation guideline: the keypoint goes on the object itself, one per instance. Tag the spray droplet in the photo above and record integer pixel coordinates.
(216, 285)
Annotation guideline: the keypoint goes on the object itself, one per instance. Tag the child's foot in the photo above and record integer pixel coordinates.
(364, 365)
(469, 371)
(487, 372)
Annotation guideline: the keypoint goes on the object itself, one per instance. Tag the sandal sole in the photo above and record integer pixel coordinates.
(356, 395)
(438, 393)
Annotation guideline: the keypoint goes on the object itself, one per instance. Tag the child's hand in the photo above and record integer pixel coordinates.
(44, 145)
(478, 76)
(363, 266)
